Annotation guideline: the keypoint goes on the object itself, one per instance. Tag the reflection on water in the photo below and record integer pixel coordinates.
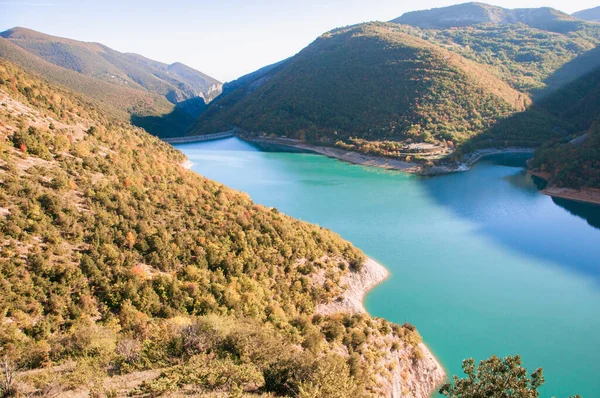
(525, 181)
(587, 211)
(508, 159)
(516, 215)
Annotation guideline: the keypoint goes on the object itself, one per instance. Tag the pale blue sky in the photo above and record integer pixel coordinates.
(223, 38)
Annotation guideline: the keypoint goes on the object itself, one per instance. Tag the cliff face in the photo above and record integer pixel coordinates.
(420, 379)
(411, 371)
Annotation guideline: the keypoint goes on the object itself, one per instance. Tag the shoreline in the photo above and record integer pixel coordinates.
(359, 285)
(340, 154)
(187, 164)
(583, 195)
(197, 138)
(388, 163)
(352, 301)
(361, 158)
(479, 154)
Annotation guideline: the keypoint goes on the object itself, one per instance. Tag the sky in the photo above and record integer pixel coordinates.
(222, 38)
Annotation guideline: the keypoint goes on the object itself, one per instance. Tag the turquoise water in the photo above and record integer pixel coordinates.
(480, 262)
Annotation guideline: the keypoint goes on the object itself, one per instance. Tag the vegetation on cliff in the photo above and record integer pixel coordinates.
(495, 377)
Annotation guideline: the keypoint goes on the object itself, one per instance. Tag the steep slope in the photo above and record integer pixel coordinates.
(469, 14)
(118, 100)
(116, 259)
(574, 160)
(591, 14)
(176, 82)
(371, 82)
(522, 54)
(127, 85)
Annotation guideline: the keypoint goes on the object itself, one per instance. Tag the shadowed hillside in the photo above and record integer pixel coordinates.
(574, 160)
(563, 123)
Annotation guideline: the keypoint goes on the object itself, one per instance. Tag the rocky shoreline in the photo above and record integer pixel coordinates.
(587, 195)
(420, 377)
(387, 163)
(584, 195)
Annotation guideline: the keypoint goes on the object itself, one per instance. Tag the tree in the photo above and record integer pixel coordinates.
(7, 378)
(495, 377)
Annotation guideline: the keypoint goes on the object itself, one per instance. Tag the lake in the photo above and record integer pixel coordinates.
(481, 262)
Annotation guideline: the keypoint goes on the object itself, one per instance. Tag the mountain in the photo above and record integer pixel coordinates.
(469, 14)
(125, 84)
(543, 52)
(524, 54)
(574, 160)
(123, 273)
(366, 82)
(176, 82)
(591, 14)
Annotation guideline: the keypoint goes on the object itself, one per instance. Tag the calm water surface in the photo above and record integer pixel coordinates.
(480, 262)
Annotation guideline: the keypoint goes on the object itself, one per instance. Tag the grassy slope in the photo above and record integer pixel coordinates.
(117, 259)
(370, 81)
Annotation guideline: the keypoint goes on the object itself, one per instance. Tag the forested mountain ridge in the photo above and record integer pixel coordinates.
(574, 160)
(162, 98)
(368, 82)
(524, 55)
(116, 259)
(386, 89)
(468, 14)
(591, 14)
(176, 82)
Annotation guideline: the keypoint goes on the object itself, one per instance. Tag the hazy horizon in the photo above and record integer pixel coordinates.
(224, 40)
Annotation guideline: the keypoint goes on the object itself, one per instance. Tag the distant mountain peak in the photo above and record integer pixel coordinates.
(468, 14)
(591, 14)
(177, 82)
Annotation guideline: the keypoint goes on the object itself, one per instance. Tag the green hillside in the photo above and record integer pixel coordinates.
(176, 82)
(116, 259)
(522, 55)
(153, 95)
(116, 100)
(371, 82)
